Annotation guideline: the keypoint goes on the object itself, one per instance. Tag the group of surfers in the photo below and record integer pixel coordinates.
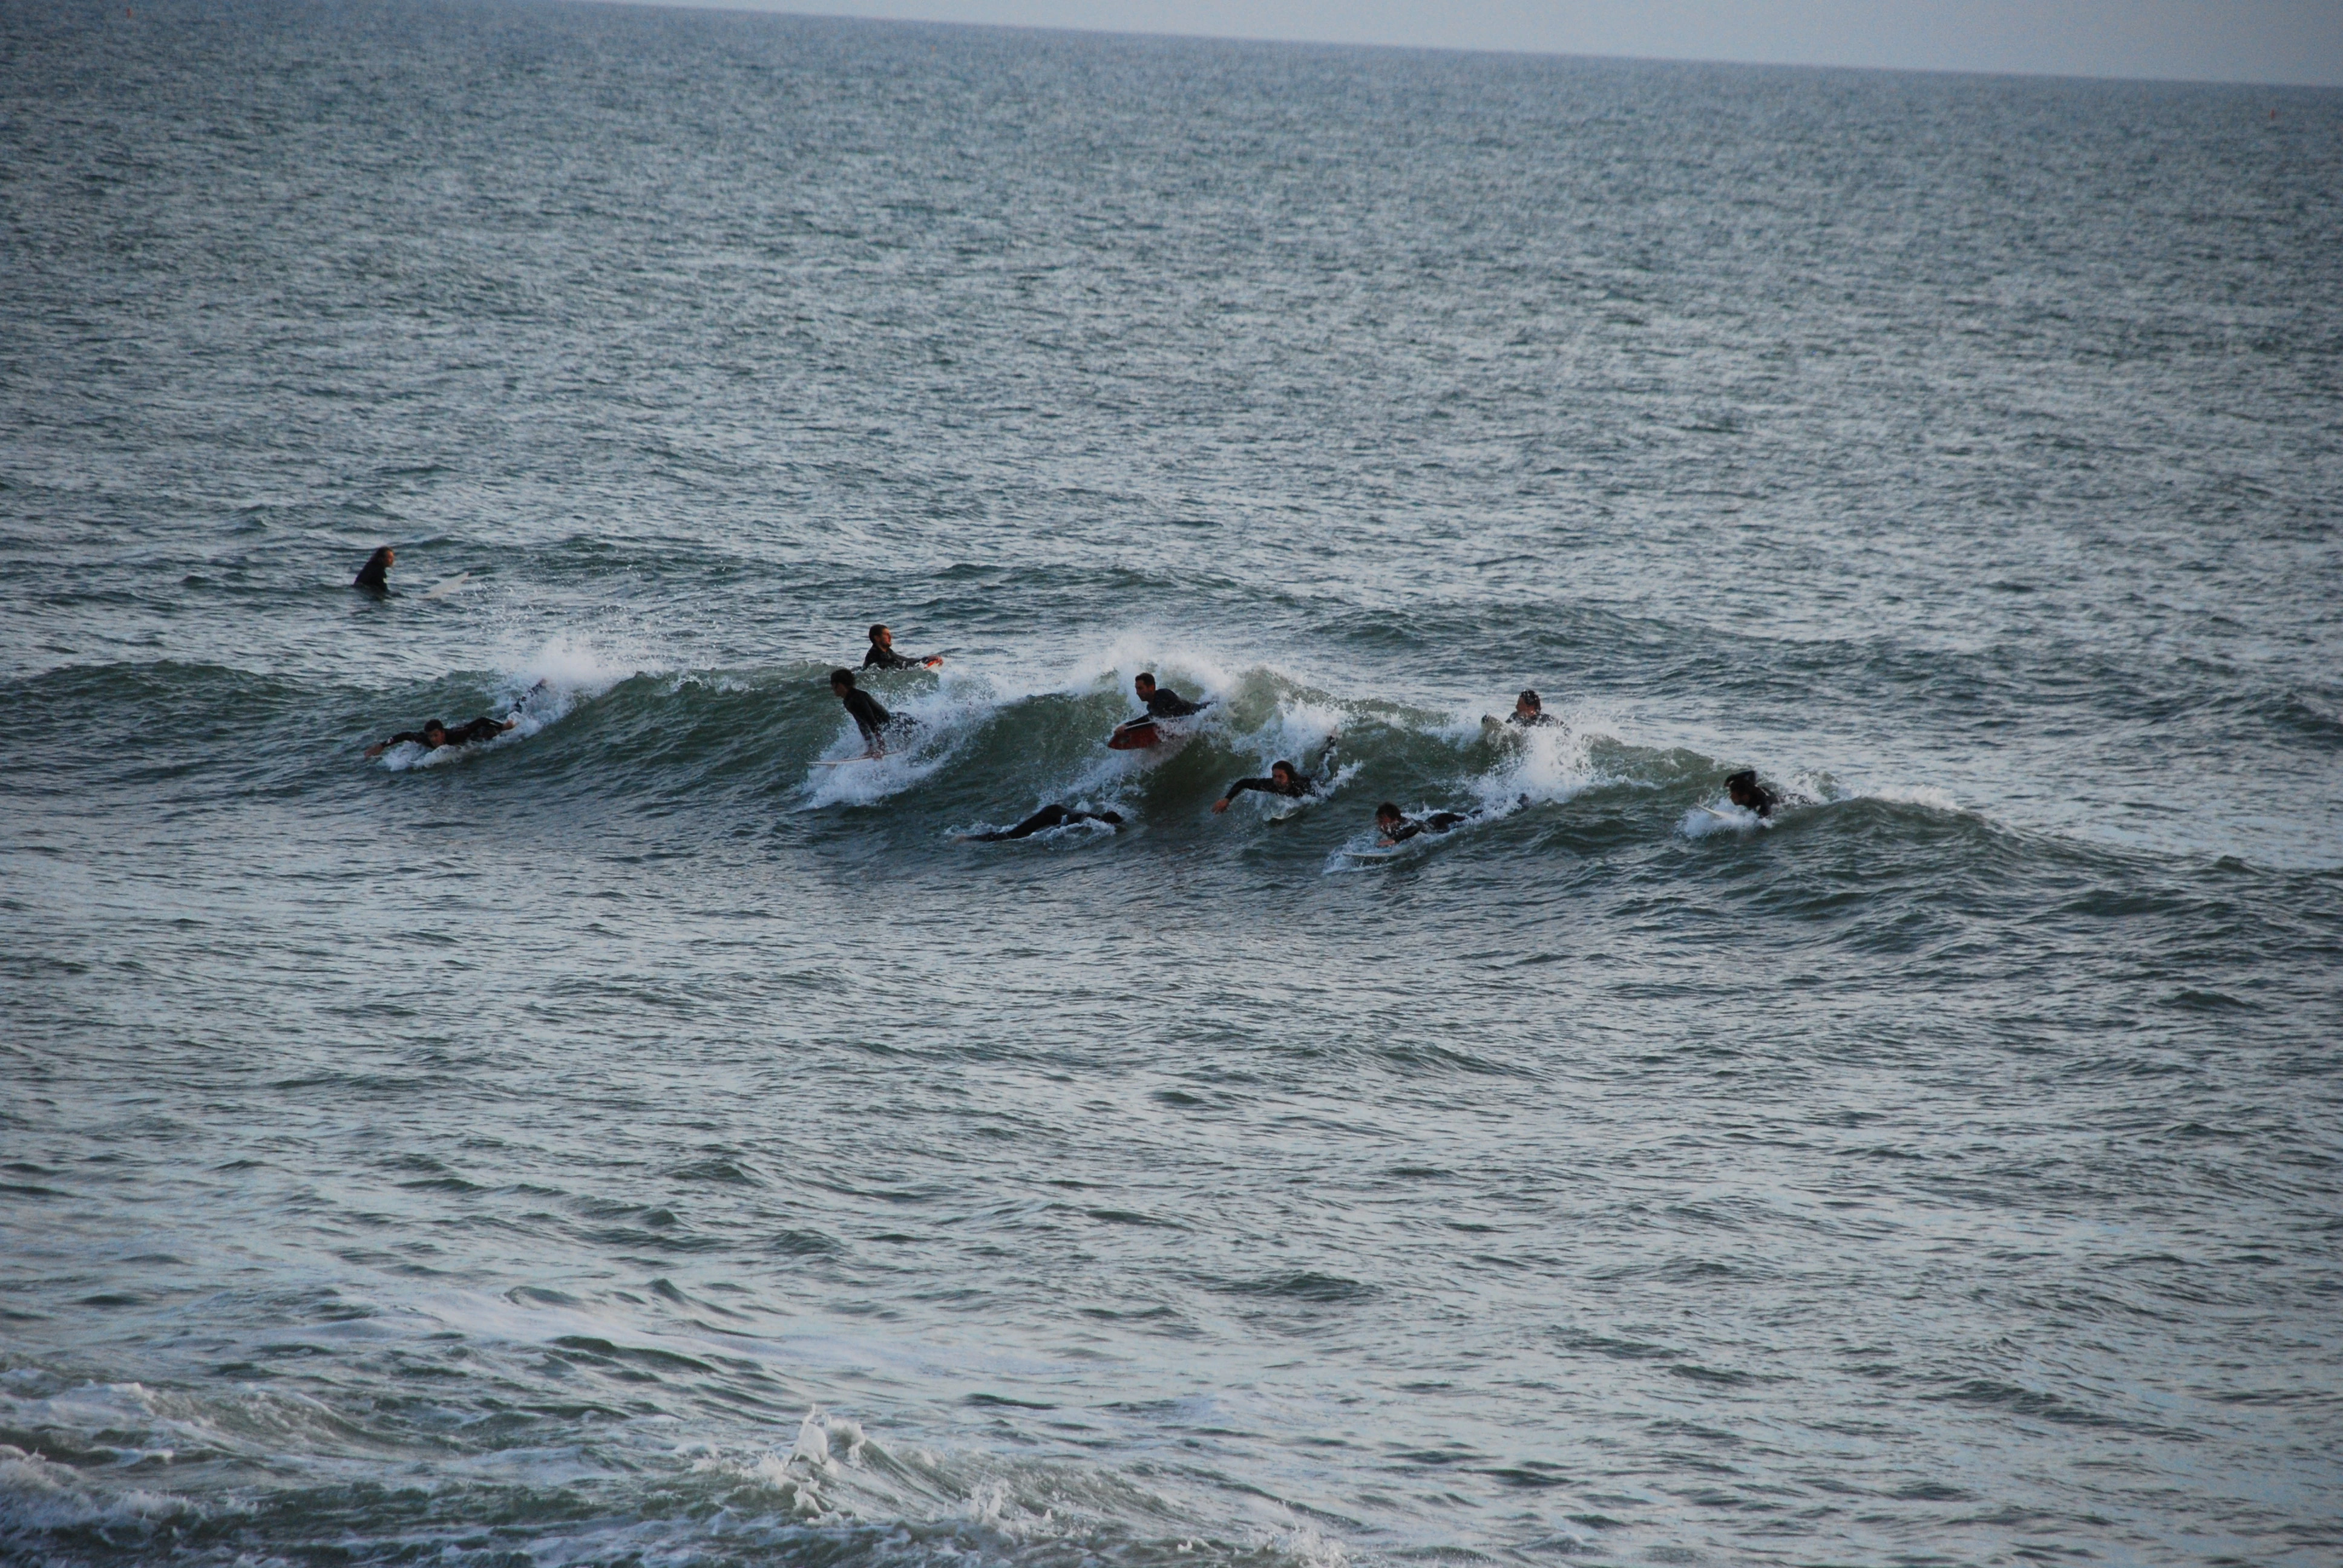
(1392, 826)
(876, 724)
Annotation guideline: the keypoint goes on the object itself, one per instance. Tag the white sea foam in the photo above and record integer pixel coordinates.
(937, 723)
(539, 688)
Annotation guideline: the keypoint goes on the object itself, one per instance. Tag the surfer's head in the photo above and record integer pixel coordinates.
(380, 560)
(1143, 684)
(1113, 817)
(1744, 790)
(434, 734)
(1284, 773)
(1529, 705)
(1387, 816)
(881, 635)
(841, 681)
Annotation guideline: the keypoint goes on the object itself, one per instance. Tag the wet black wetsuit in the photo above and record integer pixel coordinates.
(1270, 786)
(1535, 721)
(374, 577)
(1409, 827)
(481, 728)
(1765, 799)
(888, 658)
(1169, 704)
(868, 716)
(1046, 817)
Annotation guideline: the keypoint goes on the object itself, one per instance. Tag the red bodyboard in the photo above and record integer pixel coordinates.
(1135, 735)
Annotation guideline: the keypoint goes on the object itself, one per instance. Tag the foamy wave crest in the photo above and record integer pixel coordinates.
(537, 690)
(933, 726)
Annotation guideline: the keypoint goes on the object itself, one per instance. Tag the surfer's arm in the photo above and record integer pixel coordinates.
(402, 738)
(1239, 786)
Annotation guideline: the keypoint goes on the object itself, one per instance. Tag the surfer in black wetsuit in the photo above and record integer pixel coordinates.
(883, 654)
(1283, 779)
(1529, 713)
(1048, 817)
(434, 734)
(1397, 827)
(868, 716)
(1162, 702)
(374, 576)
(1750, 795)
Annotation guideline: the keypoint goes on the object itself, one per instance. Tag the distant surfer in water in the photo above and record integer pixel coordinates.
(868, 717)
(1284, 778)
(1750, 795)
(1041, 822)
(1162, 702)
(374, 576)
(883, 654)
(1397, 827)
(434, 734)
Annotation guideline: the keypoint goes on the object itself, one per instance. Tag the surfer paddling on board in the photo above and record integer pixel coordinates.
(434, 734)
(1750, 795)
(1397, 827)
(873, 721)
(1048, 817)
(883, 654)
(373, 577)
(1161, 702)
(1284, 778)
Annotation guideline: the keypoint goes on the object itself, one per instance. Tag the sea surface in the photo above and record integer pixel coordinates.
(631, 1141)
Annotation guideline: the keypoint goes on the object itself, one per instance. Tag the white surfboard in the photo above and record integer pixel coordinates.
(442, 590)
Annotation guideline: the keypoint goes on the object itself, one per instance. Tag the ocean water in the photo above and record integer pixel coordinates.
(630, 1142)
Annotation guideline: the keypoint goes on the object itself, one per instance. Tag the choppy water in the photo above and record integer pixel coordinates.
(629, 1142)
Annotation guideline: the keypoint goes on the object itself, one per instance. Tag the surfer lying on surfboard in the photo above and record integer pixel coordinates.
(1397, 827)
(1162, 702)
(1284, 778)
(434, 734)
(873, 721)
(1048, 817)
(1750, 795)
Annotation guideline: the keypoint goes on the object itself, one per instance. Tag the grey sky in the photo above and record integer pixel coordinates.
(2299, 41)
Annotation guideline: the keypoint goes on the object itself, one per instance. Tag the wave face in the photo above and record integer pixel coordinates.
(656, 1137)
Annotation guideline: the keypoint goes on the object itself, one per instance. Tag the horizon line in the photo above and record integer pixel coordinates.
(765, 8)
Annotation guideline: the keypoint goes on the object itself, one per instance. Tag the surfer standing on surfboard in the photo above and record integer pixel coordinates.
(863, 708)
(883, 654)
(374, 576)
